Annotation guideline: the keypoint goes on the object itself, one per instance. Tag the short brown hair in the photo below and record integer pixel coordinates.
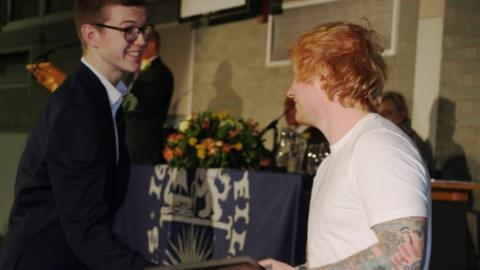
(93, 11)
(347, 58)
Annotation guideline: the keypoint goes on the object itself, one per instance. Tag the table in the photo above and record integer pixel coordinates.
(451, 240)
(175, 216)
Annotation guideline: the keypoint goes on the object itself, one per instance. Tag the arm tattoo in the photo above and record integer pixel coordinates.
(400, 246)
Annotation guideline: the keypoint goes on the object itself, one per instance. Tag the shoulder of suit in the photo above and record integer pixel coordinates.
(76, 88)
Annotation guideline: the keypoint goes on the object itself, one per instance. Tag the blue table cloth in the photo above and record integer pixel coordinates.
(176, 216)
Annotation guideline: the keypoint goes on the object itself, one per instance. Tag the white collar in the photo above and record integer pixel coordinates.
(114, 93)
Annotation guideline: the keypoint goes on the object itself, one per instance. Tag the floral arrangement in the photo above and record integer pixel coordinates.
(211, 140)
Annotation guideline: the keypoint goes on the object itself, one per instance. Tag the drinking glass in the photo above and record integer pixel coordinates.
(316, 153)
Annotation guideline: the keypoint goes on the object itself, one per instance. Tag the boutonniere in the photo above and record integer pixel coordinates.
(130, 102)
(145, 64)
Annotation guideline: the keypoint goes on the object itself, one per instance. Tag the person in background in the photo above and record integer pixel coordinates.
(73, 174)
(394, 107)
(152, 92)
(312, 135)
(370, 200)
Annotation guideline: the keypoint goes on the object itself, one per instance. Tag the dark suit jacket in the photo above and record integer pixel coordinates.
(153, 89)
(69, 185)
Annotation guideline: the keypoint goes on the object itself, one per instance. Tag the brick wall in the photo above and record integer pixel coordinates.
(402, 64)
(459, 103)
(230, 71)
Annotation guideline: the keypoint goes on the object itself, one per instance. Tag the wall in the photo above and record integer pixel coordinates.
(176, 50)
(427, 68)
(459, 101)
(230, 71)
(402, 64)
(11, 147)
(230, 74)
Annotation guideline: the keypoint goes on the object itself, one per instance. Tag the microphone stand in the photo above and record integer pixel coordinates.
(273, 125)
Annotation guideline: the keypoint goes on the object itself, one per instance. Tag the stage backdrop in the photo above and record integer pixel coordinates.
(173, 216)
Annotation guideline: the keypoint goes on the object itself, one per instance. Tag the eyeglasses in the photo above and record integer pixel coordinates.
(131, 32)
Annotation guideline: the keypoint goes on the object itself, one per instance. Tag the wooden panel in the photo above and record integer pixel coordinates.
(454, 185)
(451, 190)
(449, 196)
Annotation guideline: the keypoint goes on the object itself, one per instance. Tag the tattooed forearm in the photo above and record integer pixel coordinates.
(400, 246)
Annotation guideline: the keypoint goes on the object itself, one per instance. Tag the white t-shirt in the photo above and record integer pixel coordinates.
(374, 174)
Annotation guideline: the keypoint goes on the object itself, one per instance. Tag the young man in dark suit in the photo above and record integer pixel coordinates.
(73, 174)
(153, 89)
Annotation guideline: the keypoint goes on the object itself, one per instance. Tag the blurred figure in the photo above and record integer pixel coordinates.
(394, 107)
(145, 117)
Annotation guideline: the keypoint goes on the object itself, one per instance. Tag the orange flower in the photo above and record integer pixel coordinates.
(233, 133)
(180, 136)
(171, 138)
(167, 153)
(209, 143)
(226, 148)
(265, 162)
(206, 123)
(252, 125)
(178, 152)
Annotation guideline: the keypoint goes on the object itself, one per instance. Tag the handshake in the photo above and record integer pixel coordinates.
(234, 263)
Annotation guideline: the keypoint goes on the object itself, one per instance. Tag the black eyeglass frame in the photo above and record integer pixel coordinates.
(133, 31)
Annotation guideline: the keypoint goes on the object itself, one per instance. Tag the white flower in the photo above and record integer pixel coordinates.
(184, 125)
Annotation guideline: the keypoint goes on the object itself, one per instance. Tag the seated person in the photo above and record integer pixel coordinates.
(393, 107)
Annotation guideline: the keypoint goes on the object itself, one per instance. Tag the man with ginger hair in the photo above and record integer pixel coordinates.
(73, 174)
(370, 200)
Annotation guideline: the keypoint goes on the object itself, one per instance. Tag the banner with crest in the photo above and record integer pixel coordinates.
(175, 216)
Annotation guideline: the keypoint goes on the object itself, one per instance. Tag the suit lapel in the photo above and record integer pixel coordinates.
(94, 87)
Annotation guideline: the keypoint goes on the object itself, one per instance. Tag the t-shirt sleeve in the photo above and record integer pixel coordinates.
(390, 177)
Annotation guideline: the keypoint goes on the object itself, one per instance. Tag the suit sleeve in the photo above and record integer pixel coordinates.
(76, 160)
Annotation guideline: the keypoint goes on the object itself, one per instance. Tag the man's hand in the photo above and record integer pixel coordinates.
(271, 264)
